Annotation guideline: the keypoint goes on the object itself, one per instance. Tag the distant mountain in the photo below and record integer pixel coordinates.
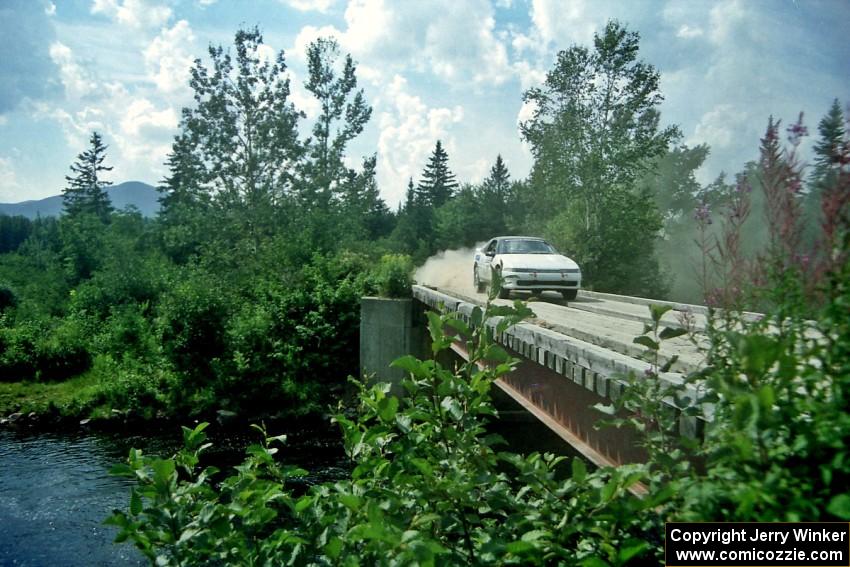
(141, 195)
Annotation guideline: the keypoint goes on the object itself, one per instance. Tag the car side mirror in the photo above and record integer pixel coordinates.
(490, 253)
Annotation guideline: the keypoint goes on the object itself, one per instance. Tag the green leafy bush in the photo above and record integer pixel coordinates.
(429, 486)
(8, 297)
(287, 344)
(143, 389)
(192, 317)
(393, 276)
(47, 350)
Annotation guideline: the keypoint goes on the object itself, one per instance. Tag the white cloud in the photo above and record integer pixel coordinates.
(368, 22)
(727, 19)
(50, 9)
(685, 17)
(306, 36)
(529, 75)
(168, 58)
(76, 126)
(138, 132)
(133, 13)
(143, 118)
(526, 112)
(408, 131)
(457, 41)
(476, 171)
(75, 79)
(718, 127)
(301, 98)
(310, 5)
(564, 23)
(687, 32)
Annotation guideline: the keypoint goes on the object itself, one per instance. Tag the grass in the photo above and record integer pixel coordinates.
(71, 397)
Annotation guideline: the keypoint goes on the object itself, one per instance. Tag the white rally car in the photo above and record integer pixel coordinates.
(526, 263)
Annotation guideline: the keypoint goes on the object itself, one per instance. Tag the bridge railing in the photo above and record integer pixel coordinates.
(562, 377)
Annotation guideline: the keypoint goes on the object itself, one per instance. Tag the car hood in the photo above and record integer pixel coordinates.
(539, 261)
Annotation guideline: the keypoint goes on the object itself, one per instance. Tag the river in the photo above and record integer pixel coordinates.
(55, 490)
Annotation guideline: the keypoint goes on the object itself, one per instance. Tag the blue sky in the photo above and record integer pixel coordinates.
(453, 70)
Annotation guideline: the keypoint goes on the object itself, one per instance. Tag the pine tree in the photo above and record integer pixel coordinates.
(182, 186)
(86, 190)
(499, 180)
(496, 188)
(362, 202)
(438, 183)
(827, 148)
(410, 196)
(493, 199)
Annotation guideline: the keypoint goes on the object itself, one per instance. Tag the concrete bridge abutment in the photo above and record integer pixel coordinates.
(389, 328)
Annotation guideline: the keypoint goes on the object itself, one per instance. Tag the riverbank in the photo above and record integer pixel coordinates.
(68, 400)
(78, 404)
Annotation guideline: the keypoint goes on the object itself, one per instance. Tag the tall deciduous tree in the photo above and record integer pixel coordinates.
(241, 138)
(677, 193)
(673, 180)
(595, 123)
(86, 190)
(343, 115)
(594, 130)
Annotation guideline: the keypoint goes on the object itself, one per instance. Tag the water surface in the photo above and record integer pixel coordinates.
(55, 490)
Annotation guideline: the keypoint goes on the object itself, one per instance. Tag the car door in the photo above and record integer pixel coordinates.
(489, 251)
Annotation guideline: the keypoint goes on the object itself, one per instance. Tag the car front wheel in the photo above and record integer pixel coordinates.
(479, 285)
(503, 291)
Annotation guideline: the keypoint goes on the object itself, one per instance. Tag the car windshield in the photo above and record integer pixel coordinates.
(520, 246)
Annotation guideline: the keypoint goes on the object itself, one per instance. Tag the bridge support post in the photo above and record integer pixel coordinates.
(388, 329)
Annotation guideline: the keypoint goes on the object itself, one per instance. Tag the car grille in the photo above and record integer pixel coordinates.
(544, 282)
(546, 271)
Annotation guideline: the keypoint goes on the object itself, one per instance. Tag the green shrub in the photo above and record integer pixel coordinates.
(129, 385)
(192, 317)
(393, 277)
(49, 350)
(18, 350)
(127, 332)
(8, 297)
(428, 488)
(288, 343)
(62, 353)
(140, 283)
